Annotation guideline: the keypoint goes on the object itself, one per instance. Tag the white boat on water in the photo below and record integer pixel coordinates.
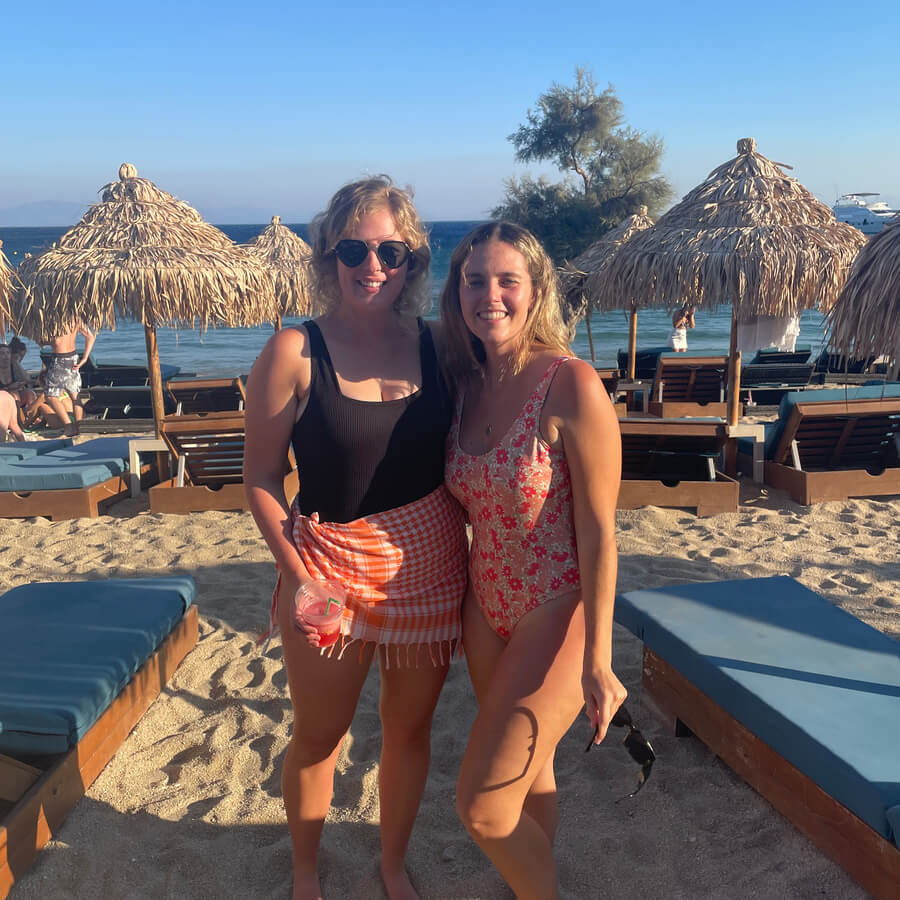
(866, 215)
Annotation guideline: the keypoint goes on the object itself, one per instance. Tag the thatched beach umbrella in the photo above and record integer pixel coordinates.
(865, 321)
(285, 255)
(580, 277)
(6, 293)
(749, 235)
(142, 254)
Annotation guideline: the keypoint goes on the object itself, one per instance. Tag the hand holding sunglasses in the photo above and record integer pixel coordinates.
(636, 744)
(352, 252)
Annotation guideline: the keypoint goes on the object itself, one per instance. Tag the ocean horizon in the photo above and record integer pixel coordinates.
(232, 351)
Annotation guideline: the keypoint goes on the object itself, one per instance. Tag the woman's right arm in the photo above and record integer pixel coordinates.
(278, 384)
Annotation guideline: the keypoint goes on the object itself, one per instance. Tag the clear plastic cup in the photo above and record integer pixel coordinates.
(320, 604)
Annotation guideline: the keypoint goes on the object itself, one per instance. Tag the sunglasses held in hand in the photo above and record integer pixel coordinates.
(636, 744)
(352, 252)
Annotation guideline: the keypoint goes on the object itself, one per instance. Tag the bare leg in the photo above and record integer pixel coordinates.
(408, 698)
(324, 694)
(59, 410)
(77, 413)
(484, 648)
(533, 696)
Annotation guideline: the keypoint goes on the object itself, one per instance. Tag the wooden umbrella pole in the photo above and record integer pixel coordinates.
(278, 323)
(632, 344)
(156, 394)
(734, 372)
(587, 322)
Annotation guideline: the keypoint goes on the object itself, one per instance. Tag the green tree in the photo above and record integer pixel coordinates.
(611, 169)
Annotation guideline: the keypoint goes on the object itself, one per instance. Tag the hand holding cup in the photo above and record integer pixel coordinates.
(318, 609)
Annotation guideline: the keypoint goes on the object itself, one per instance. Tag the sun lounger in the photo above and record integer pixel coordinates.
(771, 356)
(109, 374)
(209, 454)
(66, 482)
(675, 463)
(645, 362)
(834, 444)
(689, 384)
(80, 663)
(769, 382)
(800, 698)
(198, 395)
(124, 401)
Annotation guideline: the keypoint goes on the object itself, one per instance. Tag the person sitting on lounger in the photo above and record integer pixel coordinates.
(9, 418)
(63, 377)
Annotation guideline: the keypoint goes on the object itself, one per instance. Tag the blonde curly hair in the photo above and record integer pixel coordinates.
(347, 207)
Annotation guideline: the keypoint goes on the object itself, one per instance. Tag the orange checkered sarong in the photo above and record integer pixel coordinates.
(404, 571)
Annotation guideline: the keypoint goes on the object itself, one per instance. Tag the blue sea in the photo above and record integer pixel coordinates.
(231, 351)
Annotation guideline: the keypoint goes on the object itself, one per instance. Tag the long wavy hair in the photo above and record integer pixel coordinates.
(544, 326)
(347, 207)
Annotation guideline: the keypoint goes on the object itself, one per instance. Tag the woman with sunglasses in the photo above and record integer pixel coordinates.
(534, 456)
(359, 396)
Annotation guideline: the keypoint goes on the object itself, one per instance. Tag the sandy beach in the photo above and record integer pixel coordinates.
(190, 805)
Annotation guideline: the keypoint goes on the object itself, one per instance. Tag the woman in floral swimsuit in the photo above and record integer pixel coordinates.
(534, 456)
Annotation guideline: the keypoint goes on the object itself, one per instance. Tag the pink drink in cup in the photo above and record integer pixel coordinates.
(320, 604)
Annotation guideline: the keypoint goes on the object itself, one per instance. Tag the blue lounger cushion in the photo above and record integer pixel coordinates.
(68, 648)
(16, 450)
(815, 683)
(68, 467)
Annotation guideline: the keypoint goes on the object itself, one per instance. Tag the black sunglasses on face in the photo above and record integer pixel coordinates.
(352, 252)
(636, 744)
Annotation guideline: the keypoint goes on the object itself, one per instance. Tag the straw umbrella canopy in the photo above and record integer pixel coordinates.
(749, 236)
(145, 255)
(581, 274)
(865, 321)
(286, 256)
(6, 293)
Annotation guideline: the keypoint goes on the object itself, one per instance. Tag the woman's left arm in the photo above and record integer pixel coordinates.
(593, 446)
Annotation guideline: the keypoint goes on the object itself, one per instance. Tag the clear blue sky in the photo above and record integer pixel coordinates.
(269, 106)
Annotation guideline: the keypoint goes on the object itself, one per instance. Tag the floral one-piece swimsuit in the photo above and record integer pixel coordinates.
(518, 497)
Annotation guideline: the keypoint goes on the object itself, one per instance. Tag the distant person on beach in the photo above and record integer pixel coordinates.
(534, 456)
(359, 395)
(20, 385)
(63, 376)
(9, 418)
(681, 321)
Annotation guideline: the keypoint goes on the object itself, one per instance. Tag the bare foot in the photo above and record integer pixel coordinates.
(398, 885)
(306, 888)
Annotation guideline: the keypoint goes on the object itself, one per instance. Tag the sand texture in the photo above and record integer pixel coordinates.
(190, 805)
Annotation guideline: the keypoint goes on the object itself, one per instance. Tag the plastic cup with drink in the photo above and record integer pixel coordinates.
(320, 605)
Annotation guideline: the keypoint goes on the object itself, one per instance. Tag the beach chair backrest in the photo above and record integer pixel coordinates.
(211, 445)
(197, 395)
(690, 379)
(842, 434)
(651, 447)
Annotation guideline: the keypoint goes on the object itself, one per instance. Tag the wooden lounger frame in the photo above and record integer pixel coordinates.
(70, 503)
(718, 494)
(209, 454)
(827, 446)
(868, 857)
(689, 386)
(35, 800)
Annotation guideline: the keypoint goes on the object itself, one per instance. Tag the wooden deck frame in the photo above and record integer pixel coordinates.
(71, 503)
(720, 493)
(836, 443)
(867, 856)
(197, 395)
(689, 386)
(50, 794)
